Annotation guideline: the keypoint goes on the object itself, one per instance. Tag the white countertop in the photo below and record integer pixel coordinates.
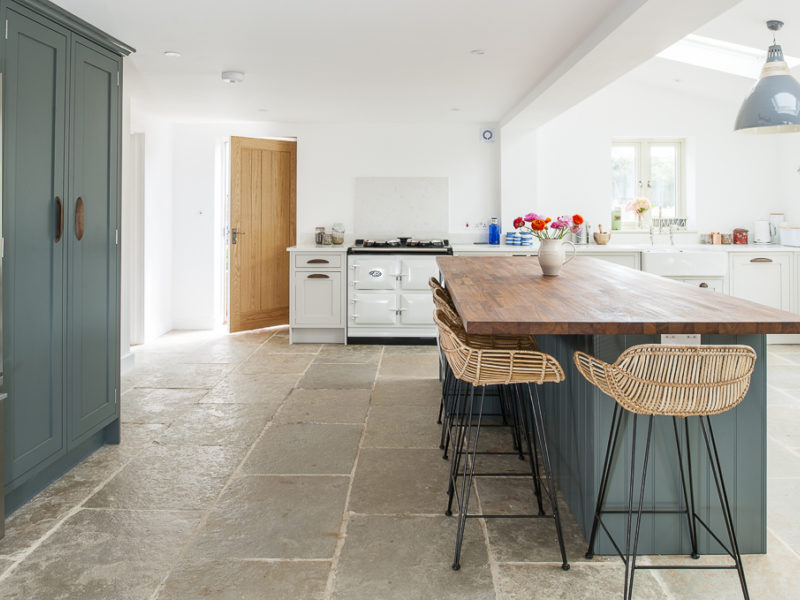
(611, 247)
(585, 248)
(314, 248)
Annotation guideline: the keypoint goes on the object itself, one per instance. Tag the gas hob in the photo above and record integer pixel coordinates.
(401, 245)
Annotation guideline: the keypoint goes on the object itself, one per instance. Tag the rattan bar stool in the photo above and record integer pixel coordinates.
(515, 370)
(452, 387)
(678, 382)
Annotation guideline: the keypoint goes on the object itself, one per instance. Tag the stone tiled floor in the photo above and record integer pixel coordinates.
(250, 468)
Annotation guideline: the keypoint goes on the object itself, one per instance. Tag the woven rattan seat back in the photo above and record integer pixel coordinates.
(679, 381)
(441, 300)
(492, 366)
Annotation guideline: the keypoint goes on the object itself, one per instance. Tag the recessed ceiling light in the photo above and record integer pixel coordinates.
(172, 54)
(478, 51)
(263, 110)
(232, 76)
(455, 110)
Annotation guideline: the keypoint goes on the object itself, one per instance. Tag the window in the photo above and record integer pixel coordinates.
(651, 169)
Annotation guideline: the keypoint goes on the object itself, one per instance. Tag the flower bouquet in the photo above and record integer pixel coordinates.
(546, 228)
(640, 206)
(550, 232)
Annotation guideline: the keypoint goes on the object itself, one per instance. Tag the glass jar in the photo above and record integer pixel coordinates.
(319, 233)
(327, 239)
(337, 234)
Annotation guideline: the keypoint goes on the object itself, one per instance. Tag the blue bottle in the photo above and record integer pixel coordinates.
(494, 232)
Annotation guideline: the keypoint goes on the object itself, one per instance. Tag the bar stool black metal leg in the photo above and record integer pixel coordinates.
(467, 475)
(605, 475)
(716, 470)
(456, 444)
(449, 389)
(451, 413)
(690, 514)
(696, 554)
(630, 508)
(530, 439)
(539, 430)
(447, 376)
(632, 558)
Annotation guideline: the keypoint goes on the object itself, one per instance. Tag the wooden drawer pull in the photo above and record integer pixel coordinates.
(764, 260)
(79, 218)
(318, 276)
(317, 261)
(704, 285)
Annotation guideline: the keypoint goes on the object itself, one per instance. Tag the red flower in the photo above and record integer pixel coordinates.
(547, 220)
(538, 225)
(519, 222)
(577, 219)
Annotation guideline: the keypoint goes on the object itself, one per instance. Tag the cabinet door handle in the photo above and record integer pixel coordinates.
(317, 261)
(765, 260)
(318, 276)
(704, 285)
(59, 218)
(79, 218)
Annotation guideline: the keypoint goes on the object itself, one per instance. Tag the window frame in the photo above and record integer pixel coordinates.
(642, 164)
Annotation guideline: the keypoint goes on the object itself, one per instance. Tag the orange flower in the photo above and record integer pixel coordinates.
(547, 220)
(538, 225)
(577, 219)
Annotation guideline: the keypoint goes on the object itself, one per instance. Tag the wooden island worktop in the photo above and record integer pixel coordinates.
(509, 295)
(603, 308)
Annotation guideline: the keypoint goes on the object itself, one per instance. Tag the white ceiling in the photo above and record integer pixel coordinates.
(343, 60)
(410, 60)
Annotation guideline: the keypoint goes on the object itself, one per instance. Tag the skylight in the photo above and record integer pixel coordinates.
(721, 56)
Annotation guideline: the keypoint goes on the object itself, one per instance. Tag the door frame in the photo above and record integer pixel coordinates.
(227, 192)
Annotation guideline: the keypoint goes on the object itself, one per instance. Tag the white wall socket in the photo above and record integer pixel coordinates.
(679, 339)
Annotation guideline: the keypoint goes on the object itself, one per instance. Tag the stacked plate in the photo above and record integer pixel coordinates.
(512, 239)
(525, 239)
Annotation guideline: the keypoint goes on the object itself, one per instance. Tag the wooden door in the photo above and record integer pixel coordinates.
(263, 221)
(93, 238)
(34, 182)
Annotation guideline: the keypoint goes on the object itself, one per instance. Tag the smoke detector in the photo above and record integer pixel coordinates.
(232, 76)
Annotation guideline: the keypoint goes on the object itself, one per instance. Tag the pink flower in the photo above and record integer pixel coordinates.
(531, 217)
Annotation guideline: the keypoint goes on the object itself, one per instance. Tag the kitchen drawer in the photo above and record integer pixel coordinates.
(716, 284)
(318, 260)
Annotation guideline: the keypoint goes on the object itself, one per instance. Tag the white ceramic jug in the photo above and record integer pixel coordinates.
(552, 256)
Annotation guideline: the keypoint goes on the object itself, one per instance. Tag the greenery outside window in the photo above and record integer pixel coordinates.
(651, 169)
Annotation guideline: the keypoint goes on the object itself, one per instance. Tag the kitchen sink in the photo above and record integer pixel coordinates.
(672, 262)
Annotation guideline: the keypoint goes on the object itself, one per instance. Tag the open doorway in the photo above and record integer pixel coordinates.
(262, 224)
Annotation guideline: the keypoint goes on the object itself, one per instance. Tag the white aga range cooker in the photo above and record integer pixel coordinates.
(387, 287)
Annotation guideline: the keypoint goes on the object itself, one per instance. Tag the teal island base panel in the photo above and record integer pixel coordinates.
(578, 419)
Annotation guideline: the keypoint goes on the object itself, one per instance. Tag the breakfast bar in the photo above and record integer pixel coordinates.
(603, 308)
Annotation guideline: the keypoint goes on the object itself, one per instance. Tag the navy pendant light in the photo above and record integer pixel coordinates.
(773, 105)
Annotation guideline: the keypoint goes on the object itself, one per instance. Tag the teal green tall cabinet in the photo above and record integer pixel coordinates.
(61, 130)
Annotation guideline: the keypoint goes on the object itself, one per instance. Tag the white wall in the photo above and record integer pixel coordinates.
(158, 223)
(733, 178)
(329, 158)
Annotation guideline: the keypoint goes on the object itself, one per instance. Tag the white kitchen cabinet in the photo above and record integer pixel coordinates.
(763, 277)
(318, 298)
(317, 290)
